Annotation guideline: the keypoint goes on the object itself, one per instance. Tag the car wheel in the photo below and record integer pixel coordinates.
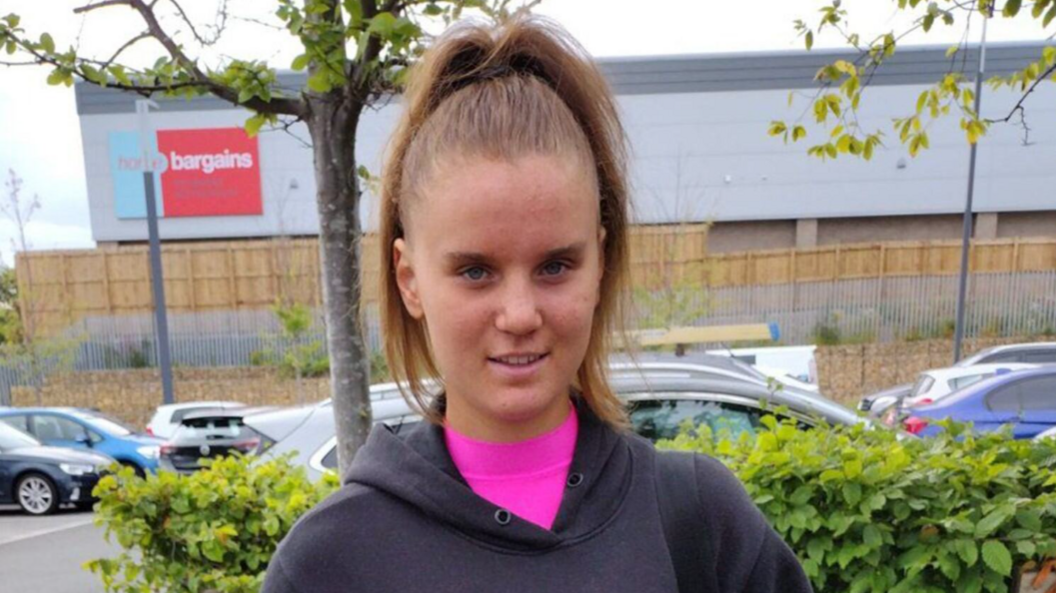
(36, 494)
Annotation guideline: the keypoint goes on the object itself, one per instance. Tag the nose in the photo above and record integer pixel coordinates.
(519, 314)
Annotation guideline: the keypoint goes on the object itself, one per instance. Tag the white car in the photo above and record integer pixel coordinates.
(1048, 434)
(933, 385)
(167, 418)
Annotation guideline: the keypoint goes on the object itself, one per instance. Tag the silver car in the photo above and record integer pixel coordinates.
(659, 401)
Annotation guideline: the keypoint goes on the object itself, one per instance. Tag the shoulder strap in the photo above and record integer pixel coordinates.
(676, 489)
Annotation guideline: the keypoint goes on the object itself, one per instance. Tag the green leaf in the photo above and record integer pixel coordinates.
(319, 82)
(809, 40)
(1049, 55)
(253, 124)
(47, 44)
(871, 536)
(968, 551)
(382, 25)
(990, 523)
(852, 491)
(1011, 8)
(997, 557)
(13, 20)
(1029, 519)
(1026, 548)
(300, 62)
(952, 50)
(950, 567)
(56, 77)
(1049, 16)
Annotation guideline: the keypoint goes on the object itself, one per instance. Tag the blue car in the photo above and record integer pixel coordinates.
(1025, 400)
(78, 428)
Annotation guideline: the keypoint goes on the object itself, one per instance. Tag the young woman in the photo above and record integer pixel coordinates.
(505, 249)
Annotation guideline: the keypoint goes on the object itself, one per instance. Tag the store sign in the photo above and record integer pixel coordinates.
(210, 172)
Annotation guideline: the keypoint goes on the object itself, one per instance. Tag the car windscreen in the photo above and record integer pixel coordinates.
(109, 425)
(12, 438)
(922, 385)
(211, 428)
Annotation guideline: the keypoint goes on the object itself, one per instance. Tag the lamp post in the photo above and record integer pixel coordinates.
(161, 323)
(966, 236)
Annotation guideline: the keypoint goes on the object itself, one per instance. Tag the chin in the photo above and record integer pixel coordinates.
(520, 405)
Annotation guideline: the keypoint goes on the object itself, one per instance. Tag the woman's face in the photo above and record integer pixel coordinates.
(503, 261)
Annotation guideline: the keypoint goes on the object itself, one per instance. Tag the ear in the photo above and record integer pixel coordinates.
(406, 279)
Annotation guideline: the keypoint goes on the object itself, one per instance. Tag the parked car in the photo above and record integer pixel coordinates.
(208, 434)
(1035, 353)
(878, 404)
(1025, 399)
(39, 478)
(80, 428)
(167, 417)
(659, 401)
(706, 365)
(933, 385)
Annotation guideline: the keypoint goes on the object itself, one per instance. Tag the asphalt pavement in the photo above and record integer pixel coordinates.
(44, 554)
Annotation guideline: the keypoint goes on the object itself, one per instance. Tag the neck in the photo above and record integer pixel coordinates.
(471, 423)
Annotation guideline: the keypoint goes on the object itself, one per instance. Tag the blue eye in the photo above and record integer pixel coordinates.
(475, 274)
(554, 268)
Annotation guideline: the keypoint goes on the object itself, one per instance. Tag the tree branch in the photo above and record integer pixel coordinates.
(194, 31)
(128, 44)
(103, 4)
(285, 106)
(1019, 104)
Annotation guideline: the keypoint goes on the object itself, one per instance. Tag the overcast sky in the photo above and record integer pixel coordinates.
(40, 134)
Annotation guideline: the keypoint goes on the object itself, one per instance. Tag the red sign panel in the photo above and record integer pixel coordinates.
(214, 172)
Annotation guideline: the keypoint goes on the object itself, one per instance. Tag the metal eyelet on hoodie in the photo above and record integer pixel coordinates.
(575, 479)
(502, 517)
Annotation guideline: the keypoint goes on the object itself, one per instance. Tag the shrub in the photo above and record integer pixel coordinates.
(866, 511)
(213, 530)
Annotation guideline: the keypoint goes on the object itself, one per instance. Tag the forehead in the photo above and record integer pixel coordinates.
(511, 205)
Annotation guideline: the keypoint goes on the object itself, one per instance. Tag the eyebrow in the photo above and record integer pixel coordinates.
(461, 258)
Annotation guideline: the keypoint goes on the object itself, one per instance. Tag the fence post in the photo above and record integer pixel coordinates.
(191, 288)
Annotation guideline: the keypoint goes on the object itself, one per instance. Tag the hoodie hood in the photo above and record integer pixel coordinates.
(417, 469)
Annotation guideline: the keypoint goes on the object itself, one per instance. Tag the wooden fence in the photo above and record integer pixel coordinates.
(65, 286)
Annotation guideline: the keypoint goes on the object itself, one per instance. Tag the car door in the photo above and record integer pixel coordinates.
(1038, 399)
(1002, 406)
(58, 431)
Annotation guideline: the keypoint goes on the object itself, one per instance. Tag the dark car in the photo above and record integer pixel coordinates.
(1024, 400)
(209, 434)
(39, 478)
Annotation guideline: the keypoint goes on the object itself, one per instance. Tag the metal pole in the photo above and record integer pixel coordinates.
(161, 323)
(962, 288)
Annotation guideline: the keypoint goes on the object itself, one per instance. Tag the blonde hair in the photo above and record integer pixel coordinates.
(504, 91)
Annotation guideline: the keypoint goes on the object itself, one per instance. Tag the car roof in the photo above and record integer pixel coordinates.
(227, 413)
(184, 405)
(989, 383)
(977, 369)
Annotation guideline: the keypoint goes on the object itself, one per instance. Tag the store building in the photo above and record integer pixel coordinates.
(699, 152)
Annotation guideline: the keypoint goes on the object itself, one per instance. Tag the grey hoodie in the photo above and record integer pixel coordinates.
(407, 521)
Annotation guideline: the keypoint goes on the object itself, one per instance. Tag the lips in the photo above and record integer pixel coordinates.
(518, 359)
(518, 367)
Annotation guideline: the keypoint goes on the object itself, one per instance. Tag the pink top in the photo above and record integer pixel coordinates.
(525, 478)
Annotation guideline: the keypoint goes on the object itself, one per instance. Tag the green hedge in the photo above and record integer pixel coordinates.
(864, 511)
(214, 530)
(867, 511)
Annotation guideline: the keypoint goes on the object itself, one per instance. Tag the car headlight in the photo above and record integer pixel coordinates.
(76, 469)
(150, 451)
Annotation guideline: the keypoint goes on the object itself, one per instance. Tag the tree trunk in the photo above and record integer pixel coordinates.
(332, 123)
